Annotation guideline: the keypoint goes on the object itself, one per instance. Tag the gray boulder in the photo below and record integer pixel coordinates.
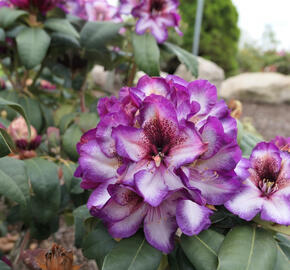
(259, 87)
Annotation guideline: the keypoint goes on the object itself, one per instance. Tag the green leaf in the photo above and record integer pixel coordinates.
(62, 26)
(146, 53)
(133, 253)
(282, 260)
(16, 107)
(80, 215)
(273, 226)
(185, 57)
(64, 40)
(69, 140)
(66, 121)
(32, 44)
(247, 248)
(248, 142)
(97, 244)
(284, 243)
(7, 145)
(87, 121)
(202, 249)
(4, 266)
(32, 109)
(178, 261)
(14, 180)
(96, 35)
(9, 15)
(45, 201)
(2, 35)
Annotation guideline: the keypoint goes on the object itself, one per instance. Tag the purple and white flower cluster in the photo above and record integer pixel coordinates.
(161, 152)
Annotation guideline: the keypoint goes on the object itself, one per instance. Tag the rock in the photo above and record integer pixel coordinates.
(207, 70)
(259, 87)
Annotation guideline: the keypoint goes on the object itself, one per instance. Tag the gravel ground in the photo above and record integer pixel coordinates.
(269, 120)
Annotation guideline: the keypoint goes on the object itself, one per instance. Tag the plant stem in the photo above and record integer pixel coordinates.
(132, 75)
(82, 95)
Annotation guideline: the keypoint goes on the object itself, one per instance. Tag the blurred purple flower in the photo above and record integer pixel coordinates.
(267, 189)
(126, 6)
(93, 10)
(282, 143)
(41, 5)
(156, 16)
(160, 138)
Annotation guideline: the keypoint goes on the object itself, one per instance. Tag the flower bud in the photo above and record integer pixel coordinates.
(18, 130)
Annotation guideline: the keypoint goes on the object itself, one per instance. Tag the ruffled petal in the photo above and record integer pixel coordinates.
(204, 93)
(277, 208)
(191, 217)
(160, 228)
(157, 86)
(151, 185)
(186, 148)
(100, 196)
(215, 188)
(96, 166)
(247, 203)
(131, 142)
(129, 225)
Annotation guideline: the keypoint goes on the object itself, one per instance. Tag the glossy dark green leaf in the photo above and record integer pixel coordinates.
(185, 57)
(65, 121)
(64, 40)
(146, 53)
(9, 15)
(247, 248)
(282, 260)
(61, 25)
(16, 107)
(133, 253)
(97, 244)
(2, 35)
(284, 243)
(14, 180)
(7, 145)
(32, 44)
(178, 260)
(95, 35)
(69, 140)
(45, 202)
(80, 215)
(202, 249)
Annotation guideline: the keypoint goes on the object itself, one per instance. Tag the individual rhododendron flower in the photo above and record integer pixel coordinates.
(18, 131)
(266, 191)
(156, 16)
(93, 10)
(164, 144)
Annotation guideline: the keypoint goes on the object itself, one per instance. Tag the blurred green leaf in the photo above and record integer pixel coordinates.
(62, 26)
(32, 109)
(2, 35)
(96, 35)
(178, 261)
(45, 202)
(282, 260)
(64, 40)
(32, 44)
(133, 253)
(9, 15)
(7, 145)
(247, 247)
(66, 121)
(87, 121)
(185, 57)
(14, 180)
(4, 266)
(16, 107)
(146, 53)
(248, 142)
(80, 215)
(69, 140)
(202, 249)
